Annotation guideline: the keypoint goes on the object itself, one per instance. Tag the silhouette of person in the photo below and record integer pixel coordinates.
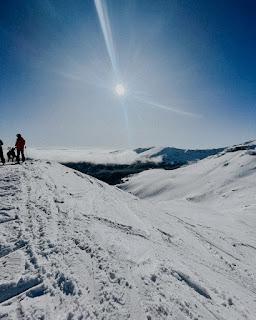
(11, 155)
(20, 145)
(1, 152)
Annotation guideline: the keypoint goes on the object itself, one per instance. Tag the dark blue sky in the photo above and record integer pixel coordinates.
(189, 68)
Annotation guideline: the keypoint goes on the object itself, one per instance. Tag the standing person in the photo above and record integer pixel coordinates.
(20, 145)
(1, 152)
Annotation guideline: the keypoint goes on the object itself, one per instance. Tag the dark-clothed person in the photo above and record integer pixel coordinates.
(1, 152)
(11, 155)
(20, 145)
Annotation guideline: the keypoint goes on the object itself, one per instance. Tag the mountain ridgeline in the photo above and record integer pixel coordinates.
(149, 158)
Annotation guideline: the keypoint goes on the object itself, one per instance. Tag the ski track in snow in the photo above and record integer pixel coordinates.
(72, 247)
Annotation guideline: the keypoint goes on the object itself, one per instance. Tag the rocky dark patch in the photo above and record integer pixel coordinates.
(115, 173)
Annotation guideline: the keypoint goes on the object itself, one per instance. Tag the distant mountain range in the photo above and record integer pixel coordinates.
(168, 155)
(112, 166)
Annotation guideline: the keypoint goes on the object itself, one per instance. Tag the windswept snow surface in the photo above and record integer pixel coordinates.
(72, 247)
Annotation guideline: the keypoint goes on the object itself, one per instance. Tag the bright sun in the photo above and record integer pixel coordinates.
(120, 89)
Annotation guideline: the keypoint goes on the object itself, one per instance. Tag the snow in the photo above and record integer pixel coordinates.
(217, 180)
(218, 191)
(72, 247)
(126, 156)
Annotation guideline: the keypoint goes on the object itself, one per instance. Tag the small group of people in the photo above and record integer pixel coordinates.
(11, 154)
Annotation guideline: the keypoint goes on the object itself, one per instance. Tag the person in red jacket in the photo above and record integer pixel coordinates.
(20, 145)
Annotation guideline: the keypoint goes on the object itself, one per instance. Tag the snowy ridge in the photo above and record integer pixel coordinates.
(72, 247)
(129, 156)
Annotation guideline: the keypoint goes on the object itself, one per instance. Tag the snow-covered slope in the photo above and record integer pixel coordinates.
(221, 189)
(215, 197)
(72, 247)
(222, 176)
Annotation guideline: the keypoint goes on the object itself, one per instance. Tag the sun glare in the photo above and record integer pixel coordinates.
(120, 89)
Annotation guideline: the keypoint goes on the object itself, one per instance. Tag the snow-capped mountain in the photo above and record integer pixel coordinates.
(72, 247)
(112, 166)
(127, 156)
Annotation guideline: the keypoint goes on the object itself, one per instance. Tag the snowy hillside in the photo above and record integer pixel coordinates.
(218, 192)
(72, 247)
(222, 176)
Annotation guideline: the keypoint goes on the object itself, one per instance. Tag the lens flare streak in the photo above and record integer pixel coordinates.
(107, 33)
(168, 108)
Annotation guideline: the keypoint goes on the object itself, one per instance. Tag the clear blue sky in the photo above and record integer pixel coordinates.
(189, 69)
